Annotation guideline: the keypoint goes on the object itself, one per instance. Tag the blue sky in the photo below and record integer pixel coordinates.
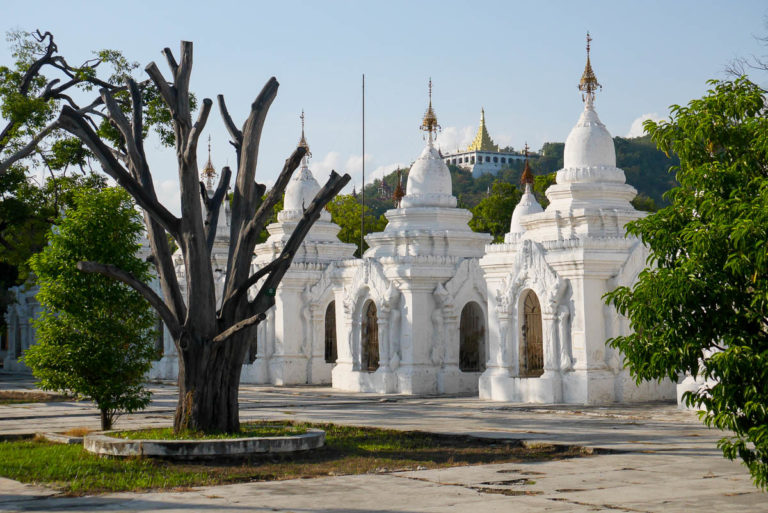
(519, 60)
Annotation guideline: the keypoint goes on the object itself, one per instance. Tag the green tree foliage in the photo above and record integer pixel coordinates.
(40, 165)
(493, 213)
(95, 336)
(345, 211)
(703, 307)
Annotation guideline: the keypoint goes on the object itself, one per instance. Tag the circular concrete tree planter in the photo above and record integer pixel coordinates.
(102, 443)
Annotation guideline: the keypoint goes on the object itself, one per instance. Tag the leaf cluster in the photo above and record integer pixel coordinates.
(494, 212)
(346, 212)
(702, 306)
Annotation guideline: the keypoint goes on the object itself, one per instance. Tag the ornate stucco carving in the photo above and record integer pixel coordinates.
(530, 271)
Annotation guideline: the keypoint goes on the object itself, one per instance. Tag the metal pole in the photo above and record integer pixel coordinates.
(362, 191)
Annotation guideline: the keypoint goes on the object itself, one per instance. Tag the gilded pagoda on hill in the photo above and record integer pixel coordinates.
(482, 155)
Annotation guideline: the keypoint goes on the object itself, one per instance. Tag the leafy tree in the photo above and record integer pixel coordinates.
(540, 184)
(345, 211)
(703, 307)
(95, 336)
(40, 164)
(644, 203)
(493, 213)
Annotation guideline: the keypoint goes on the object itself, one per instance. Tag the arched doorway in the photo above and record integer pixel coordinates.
(531, 341)
(370, 338)
(330, 333)
(472, 339)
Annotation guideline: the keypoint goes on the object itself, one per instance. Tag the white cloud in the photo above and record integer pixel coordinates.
(321, 168)
(382, 171)
(454, 138)
(636, 129)
(169, 194)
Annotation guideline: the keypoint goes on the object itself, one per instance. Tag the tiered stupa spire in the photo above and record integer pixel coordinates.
(208, 174)
(429, 123)
(482, 141)
(527, 178)
(588, 84)
(303, 141)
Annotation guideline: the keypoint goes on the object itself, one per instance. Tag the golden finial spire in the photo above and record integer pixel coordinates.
(399, 192)
(482, 141)
(303, 141)
(209, 172)
(429, 123)
(527, 177)
(588, 83)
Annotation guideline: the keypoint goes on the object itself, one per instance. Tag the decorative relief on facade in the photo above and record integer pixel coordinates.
(564, 337)
(530, 271)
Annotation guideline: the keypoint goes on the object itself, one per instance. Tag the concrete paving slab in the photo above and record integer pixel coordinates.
(659, 458)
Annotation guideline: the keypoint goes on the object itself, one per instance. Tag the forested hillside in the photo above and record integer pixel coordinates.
(646, 168)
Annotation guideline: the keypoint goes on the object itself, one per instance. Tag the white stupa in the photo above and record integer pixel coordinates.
(527, 205)
(548, 323)
(290, 346)
(405, 301)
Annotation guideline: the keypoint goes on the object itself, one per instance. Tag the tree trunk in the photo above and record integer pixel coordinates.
(106, 420)
(209, 380)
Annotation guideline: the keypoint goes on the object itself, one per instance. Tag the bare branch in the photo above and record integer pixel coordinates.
(181, 82)
(174, 327)
(224, 335)
(171, 61)
(265, 297)
(121, 122)
(252, 280)
(213, 205)
(265, 209)
(234, 132)
(74, 123)
(167, 91)
(241, 248)
(197, 129)
(28, 148)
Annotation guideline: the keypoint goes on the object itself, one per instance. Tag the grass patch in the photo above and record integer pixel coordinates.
(31, 396)
(246, 430)
(348, 450)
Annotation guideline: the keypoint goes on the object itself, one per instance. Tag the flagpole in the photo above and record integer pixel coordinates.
(362, 191)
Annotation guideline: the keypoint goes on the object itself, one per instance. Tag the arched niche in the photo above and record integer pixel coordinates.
(330, 333)
(531, 336)
(369, 338)
(472, 338)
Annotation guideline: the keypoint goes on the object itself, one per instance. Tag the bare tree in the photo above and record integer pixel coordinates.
(211, 343)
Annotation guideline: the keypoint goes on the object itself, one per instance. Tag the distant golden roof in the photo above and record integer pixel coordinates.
(588, 82)
(482, 141)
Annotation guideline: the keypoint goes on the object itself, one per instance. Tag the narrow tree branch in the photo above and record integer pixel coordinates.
(265, 298)
(28, 148)
(167, 91)
(174, 327)
(181, 82)
(234, 132)
(264, 211)
(213, 205)
(252, 280)
(197, 129)
(171, 61)
(74, 123)
(224, 335)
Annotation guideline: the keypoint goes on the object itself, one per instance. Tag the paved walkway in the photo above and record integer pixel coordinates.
(662, 458)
